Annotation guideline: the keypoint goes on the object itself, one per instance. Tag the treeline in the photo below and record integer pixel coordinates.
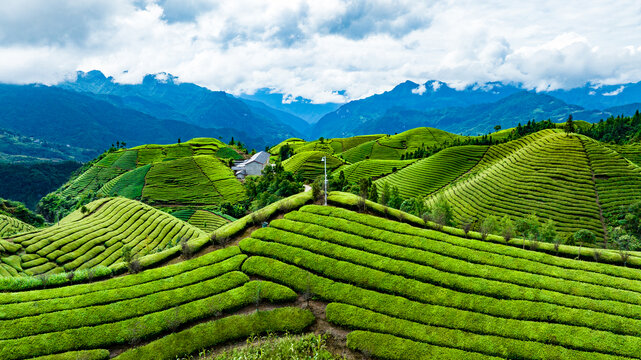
(619, 130)
(519, 131)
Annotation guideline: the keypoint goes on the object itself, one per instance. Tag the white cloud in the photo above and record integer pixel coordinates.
(420, 90)
(316, 49)
(615, 92)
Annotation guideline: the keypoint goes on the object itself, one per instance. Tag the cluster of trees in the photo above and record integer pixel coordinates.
(275, 184)
(239, 145)
(619, 130)
(285, 152)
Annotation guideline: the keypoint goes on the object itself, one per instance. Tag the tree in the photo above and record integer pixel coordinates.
(231, 142)
(584, 236)
(385, 195)
(569, 126)
(625, 242)
(441, 212)
(395, 199)
(373, 193)
(488, 225)
(497, 127)
(321, 139)
(285, 152)
(548, 231)
(508, 229)
(178, 141)
(529, 228)
(363, 188)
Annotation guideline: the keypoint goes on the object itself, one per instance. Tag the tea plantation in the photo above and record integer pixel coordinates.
(97, 237)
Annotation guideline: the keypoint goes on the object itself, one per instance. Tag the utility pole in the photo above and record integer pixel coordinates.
(324, 160)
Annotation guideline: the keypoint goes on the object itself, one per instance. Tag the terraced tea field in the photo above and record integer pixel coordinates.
(197, 180)
(132, 165)
(97, 237)
(371, 168)
(205, 220)
(396, 290)
(309, 164)
(10, 225)
(431, 174)
(394, 146)
(158, 314)
(411, 293)
(547, 173)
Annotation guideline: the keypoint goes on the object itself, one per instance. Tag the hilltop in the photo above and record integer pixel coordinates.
(195, 172)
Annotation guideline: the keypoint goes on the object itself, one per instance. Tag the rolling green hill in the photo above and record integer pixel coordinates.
(157, 174)
(406, 291)
(191, 180)
(569, 179)
(97, 236)
(394, 146)
(205, 220)
(430, 174)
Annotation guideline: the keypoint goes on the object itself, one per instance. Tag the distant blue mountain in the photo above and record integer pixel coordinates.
(163, 96)
(298, 106)
(601, 97)
(66, 117)
(472, 110)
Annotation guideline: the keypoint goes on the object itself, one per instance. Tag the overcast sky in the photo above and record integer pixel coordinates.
(316, 48)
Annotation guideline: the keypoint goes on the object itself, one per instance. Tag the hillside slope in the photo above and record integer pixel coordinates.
(97, 236)
(384, 288)
(556, 176)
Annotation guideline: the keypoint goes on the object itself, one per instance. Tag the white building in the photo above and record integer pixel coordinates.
(251, 166)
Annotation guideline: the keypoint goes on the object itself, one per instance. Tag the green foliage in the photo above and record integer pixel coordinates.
(441, 212)
(96, 237)
(274, 347)
(507, 227)
(275, 184)
(584, 236)
(489, 225)
(219, 331)
(620, 129)
(569, 127)
(20, 212)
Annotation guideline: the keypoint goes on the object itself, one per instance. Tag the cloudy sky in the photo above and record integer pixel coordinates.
(315, 49)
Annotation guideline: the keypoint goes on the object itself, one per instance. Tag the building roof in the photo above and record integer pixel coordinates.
(261, 157)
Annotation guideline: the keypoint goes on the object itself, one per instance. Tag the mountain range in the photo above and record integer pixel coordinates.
(93, 111)
(474, 110)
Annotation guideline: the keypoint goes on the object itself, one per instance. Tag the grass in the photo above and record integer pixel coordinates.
(273, 347)
(97, 237)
